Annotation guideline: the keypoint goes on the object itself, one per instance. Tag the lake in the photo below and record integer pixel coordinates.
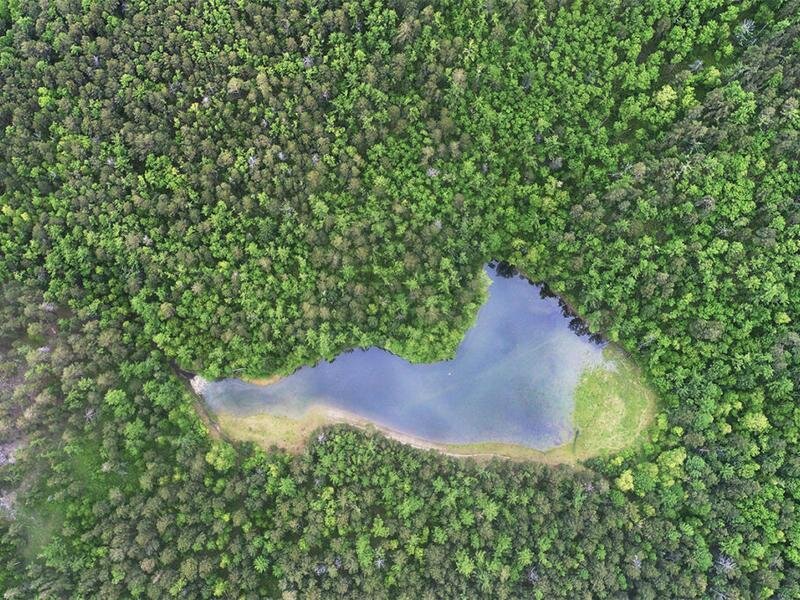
(512, 380)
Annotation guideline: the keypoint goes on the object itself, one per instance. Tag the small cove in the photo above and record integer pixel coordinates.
(513, 381)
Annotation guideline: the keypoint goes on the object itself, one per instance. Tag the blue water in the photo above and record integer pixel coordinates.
(512, 380)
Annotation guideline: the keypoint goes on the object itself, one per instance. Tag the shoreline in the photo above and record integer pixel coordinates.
(613, 409)
(298, 432)
(263, 380)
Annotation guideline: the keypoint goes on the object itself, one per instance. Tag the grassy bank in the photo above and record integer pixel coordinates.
(612, 408)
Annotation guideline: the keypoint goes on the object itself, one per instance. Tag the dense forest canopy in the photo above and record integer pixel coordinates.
(244, 187)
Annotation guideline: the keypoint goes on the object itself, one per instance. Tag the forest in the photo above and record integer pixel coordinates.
(242, 187)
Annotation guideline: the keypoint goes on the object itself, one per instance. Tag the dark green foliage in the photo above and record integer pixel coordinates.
(246, 187)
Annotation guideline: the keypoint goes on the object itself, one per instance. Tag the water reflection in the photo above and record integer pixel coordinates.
(512, 380)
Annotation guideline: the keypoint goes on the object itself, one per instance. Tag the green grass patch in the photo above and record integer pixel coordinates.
(612, 407)
(42, 521)
(45, 508)
(268, 430)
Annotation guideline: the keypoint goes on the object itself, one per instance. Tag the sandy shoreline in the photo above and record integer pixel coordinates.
(263, 380)
(292, 434)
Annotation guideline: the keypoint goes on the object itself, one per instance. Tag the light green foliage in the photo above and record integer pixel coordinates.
(625, 481)
(665, 97)
(222, 456)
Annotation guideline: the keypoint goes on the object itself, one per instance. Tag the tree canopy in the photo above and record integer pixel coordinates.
(244, 187)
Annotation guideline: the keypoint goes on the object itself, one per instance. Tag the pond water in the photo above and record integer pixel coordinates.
(512, 380)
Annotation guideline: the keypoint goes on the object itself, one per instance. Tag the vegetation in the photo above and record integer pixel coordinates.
(612, 408)
(270, 430)
(244, 187)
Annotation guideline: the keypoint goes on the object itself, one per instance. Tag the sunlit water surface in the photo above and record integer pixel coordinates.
(512, 379)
